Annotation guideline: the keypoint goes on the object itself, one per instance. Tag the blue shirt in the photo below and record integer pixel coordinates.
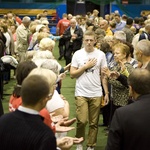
(120, 25)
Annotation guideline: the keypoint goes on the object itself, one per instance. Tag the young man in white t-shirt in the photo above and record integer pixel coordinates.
(86, 68)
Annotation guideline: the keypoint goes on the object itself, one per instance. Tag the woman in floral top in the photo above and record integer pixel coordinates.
(119, 93)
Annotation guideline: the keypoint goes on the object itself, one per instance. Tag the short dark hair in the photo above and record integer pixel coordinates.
(129, 21)
(34, 89)
(136, 20)
(139, 80)
(105, 47)
(89, 23)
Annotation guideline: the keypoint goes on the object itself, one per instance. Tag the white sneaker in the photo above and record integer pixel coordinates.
(90, 148)
(79, 147)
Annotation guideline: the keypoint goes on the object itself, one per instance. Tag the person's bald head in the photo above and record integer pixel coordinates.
(103, 24)
(142, 50)
(26, 21)
(139, 80)
(73, 23)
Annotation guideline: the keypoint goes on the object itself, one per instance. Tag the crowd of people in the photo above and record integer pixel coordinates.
(110, 59)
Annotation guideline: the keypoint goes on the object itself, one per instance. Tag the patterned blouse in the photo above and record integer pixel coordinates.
(119, 92)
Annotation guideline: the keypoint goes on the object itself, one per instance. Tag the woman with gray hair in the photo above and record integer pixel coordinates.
(58, 103)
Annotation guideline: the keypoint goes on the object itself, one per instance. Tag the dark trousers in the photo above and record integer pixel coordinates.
(68, 54)
(7, 71)
(114, 107)
(61, 47)
(112, 110)
(106, 114)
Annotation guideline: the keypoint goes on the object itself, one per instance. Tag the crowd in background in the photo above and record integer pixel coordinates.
(124, 41)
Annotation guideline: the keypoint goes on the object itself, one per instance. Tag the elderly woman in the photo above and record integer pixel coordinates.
(46, 44)
(35, 46)
(119, 92)
(40, 36)
(58, 103)
(23, 69)
(46, 47)
(45, 52)
(28, 68)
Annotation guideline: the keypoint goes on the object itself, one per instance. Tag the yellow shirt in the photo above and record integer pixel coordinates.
(109, 32)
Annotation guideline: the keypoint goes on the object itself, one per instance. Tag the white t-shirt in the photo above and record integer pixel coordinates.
(89, 83)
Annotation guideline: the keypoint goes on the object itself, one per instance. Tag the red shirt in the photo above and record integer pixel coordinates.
(15, 102)
(18, 20)
(47, 119)
(63, 24)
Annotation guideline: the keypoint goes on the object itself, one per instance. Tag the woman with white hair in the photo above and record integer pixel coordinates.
(40, 56)
(46, 47)
(47, 44)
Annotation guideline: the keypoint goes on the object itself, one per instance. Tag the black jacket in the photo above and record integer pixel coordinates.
(130, 127)
(77, 43)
